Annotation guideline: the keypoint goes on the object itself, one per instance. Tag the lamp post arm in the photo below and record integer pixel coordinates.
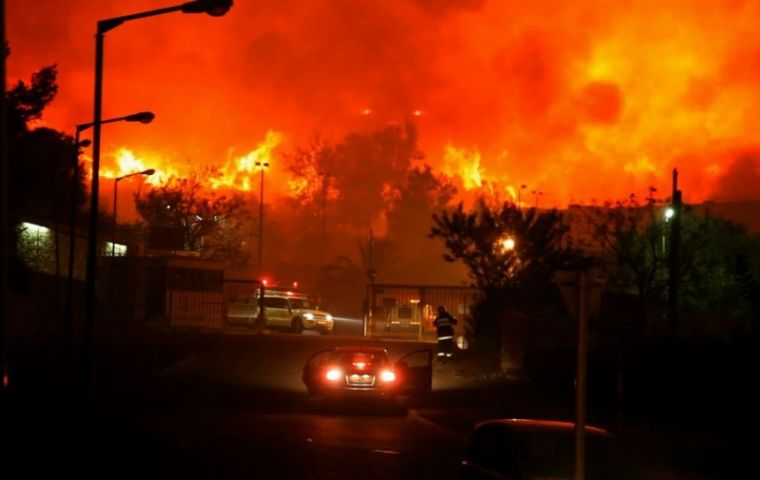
(111, 23)
(84, 126)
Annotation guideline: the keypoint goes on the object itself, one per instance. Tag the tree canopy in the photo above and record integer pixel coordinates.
(210, 223)
(511, 255)
(505, 247)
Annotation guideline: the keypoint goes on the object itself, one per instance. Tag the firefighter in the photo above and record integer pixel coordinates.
(444, 323)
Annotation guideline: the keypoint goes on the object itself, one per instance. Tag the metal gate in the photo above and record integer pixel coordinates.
(408, 311)
(202, 298)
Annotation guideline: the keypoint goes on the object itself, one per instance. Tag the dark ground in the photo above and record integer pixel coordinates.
(174, 404)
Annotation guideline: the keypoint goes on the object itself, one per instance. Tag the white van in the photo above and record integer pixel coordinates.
(292, 312)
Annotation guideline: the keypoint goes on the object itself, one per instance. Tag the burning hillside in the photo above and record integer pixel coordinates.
(577, 100)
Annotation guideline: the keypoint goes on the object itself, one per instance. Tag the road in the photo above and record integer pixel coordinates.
(238, 409)
(234, 407)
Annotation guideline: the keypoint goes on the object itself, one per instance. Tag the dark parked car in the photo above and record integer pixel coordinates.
(355, 371)
(520, 449)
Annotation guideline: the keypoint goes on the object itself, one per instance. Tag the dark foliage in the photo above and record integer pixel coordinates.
(511, 255)
(210, 223)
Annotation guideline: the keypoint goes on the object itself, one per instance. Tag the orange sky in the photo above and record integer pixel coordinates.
(580, 100)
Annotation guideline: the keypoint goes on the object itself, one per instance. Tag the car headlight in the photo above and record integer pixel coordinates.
(328, 317)
(308, 316)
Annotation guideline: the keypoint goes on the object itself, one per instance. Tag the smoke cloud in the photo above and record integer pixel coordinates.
(579, 100)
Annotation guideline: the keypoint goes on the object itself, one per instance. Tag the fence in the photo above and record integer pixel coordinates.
(408, 311)
(201, 298)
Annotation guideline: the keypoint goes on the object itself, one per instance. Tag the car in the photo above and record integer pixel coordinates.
(367, 372)
(510, 449)
(282, 310)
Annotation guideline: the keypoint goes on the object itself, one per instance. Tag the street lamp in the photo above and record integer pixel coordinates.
(519, 196)
(325, 191)
(536, 193)
(140, 117)
(214, 8)
(116, 180)
(506, 244)
(261, 166)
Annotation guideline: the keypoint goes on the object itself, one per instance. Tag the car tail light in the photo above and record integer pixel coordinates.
(388, 376)
(334, 374)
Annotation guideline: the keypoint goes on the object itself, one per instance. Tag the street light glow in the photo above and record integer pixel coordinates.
(669, 213)
(507, 244)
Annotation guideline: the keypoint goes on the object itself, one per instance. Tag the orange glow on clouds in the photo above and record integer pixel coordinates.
(591, 100)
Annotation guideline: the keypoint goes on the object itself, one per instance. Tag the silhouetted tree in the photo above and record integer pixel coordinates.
(511, 255)
(210, 223)
(26, 102)
(632, 250)
(631, 244)
(409, 216)
(341, 189)
(41, 159)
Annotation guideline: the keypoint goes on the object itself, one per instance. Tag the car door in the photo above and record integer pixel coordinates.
(277, 312)
(314, 366)
(415, 371)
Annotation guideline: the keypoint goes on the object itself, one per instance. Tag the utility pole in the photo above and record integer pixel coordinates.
(675, 244)
(580, 383)
(5, 230)
(261, 166)
(371, 281)
(322, 240)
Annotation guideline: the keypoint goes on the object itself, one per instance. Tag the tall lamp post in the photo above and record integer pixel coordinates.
(519, 196)
(322, 241)
(215, 8)
(116, 181)
(536, 194)
(261, 166)
(141, 117)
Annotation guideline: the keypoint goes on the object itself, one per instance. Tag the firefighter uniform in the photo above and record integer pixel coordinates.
(444, 324)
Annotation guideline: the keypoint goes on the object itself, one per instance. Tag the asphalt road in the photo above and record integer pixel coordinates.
(233, 407)
(238, 409)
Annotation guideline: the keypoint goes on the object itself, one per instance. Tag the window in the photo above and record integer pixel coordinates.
(301, 303)
(276, 302)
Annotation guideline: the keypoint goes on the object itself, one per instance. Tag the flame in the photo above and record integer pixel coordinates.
(127, 162)
(237, 173)
(596, 100)
(460, 162)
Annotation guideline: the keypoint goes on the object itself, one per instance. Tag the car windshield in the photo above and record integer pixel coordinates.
(301, 303)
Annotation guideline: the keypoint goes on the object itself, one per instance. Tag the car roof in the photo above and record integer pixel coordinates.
(538, 425)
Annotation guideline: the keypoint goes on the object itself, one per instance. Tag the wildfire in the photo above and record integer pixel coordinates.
(596, 100)
(126, 162)
(459, 162)
(237, 173)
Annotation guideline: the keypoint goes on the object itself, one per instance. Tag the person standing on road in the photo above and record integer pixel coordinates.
(444, 324)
